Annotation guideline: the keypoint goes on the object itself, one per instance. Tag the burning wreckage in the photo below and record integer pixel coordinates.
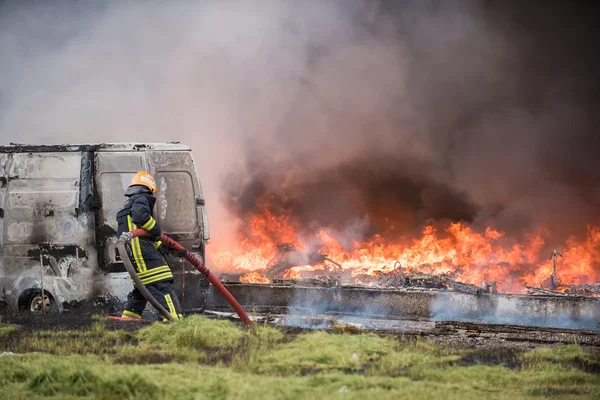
(399, 299)
(57, 205)
(280, 270)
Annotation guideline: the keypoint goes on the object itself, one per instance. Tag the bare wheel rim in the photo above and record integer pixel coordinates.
(39, 304)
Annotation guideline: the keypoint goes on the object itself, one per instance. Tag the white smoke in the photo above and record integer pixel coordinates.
(546, 312)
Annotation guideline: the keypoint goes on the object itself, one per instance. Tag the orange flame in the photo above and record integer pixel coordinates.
(292, 274)
(254, 277)
(472, 256)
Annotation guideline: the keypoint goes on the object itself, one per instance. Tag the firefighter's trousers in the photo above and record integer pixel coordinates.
(162, 291)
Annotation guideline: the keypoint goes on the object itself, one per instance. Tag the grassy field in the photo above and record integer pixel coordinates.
(199, 358)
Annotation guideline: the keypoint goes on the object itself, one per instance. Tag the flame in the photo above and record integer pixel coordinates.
(254, 277)
(292, 274)
(471, 256)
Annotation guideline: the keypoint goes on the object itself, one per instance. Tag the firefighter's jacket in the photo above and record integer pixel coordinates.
(142, 251)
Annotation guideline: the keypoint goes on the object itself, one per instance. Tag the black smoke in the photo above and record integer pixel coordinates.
(476, 111)
(379, 190)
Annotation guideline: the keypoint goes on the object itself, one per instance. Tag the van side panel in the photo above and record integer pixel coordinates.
(42, 198)
(44, 232)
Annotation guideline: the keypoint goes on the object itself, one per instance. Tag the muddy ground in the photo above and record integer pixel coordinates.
(78, 319)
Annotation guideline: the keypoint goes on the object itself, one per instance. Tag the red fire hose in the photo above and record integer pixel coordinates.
(205, 271)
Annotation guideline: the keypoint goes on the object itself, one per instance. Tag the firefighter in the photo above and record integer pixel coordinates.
(152, 269)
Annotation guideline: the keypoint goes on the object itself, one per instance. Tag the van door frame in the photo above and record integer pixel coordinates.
(4, 178)
(103, 233)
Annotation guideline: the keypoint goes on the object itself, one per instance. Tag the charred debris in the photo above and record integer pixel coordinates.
(329, 273)
(554, 286)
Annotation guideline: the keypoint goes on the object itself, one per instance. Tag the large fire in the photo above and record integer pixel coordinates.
(471, 256)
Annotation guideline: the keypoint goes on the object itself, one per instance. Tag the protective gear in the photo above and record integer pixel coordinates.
(126, 237)
(152, 269)
(137, 213)
(139, 208)
(137, 190)
(162, 291)
(163, 250)
(166, 251)
(143, 178)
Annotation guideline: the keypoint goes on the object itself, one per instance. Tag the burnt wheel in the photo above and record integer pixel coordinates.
(39, 303)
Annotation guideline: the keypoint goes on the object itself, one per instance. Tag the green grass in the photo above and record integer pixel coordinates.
(323, 352)
(199, 358)
(7, 331)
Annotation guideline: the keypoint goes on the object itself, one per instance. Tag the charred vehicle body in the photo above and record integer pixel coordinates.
(58, 208)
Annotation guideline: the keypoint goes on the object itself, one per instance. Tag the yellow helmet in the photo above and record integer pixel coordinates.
(143, 178)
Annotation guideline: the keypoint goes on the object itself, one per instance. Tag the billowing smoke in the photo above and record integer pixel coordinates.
(382, 111)
(436, 110)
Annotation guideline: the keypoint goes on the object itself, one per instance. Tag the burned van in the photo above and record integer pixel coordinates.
(58, 207)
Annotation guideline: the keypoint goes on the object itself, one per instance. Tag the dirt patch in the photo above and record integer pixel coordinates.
(589, 366)
(508, 357)
(551, 392)
(144, 357)
(511, 358)
(79, 319)
(128, 326)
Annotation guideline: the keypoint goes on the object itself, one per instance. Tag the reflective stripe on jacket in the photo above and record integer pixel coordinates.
(142, 251)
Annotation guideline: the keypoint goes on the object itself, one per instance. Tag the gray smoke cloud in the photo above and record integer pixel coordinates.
(445, 110)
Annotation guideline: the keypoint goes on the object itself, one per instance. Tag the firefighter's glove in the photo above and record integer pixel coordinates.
(181, 253)
(126, 237)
